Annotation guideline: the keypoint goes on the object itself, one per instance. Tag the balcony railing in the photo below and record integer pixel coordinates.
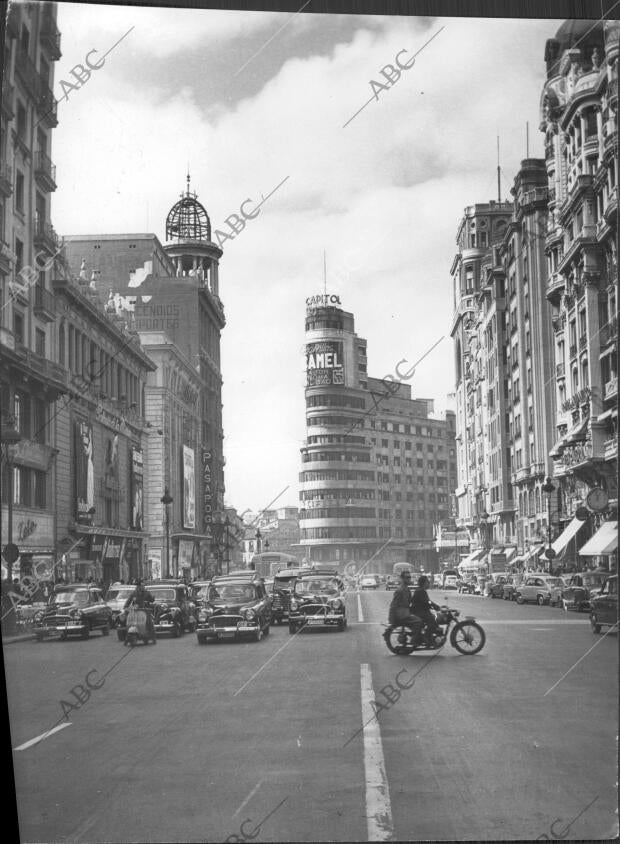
(27, 72)
(609, 331)
(44, 170)
(573, 350)
(50, 36)
(44, 305)
(47, 104)
(560, 370)
(6, 179)
(45, 235)
(583, 342)
(611, 387)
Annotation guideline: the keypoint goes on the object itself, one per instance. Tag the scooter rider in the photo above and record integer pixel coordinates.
(400, 608)
(143, 599)
(422, 605)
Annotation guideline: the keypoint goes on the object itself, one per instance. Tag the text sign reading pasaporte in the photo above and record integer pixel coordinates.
(324, 364)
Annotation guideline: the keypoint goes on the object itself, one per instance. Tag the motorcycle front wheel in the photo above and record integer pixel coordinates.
(467, 638)
(400, 640)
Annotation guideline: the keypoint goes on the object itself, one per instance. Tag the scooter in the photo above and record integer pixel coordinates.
(137, 628)
(467, 636)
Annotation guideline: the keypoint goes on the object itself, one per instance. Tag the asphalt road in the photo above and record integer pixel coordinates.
(264, 741)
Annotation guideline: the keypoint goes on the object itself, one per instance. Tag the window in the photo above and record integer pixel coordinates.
(61, 345)
(19, 191)
(19, 255)
(39, 421)
(21, 122)
(40, 489)
(39, 342)
(18, 327)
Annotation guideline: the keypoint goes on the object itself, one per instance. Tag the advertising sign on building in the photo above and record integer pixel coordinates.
(155, 563)
(84, 472)
(189, 488)
(136, 489)
(186, 553)
(207, 493)
(324, 363)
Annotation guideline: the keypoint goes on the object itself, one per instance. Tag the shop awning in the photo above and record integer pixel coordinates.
(567, 534)
(473, 561)
(533, 552)
(556, 451)
(578, 432)
(604, 541)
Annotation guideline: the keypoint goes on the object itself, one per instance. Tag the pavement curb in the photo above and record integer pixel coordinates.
(13, 640)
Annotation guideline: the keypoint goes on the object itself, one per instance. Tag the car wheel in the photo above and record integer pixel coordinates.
(596, 628)
(105, 630)
(292, 628)
(85, 632)
(520, 599)
(342, 625)
(267, 630)
(541, 600)
(202, 640)
(120, 634)
(258, 635)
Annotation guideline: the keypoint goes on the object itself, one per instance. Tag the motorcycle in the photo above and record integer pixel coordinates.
(466, 636)
(137, 627)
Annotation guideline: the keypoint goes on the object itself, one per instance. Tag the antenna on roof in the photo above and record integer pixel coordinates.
(527, 139)
(499, 178)
(325, 272)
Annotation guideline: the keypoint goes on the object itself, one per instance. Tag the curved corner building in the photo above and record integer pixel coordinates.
(376, 471)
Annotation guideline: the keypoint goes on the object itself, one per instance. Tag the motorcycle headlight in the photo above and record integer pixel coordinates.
(249, 614)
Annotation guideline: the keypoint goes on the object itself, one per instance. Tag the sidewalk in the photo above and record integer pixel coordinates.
(13, 638)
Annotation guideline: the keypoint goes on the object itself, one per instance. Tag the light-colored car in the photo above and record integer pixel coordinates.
(450, 581)
(540, 589)
(604, 605)
(494, 587)
(116, 598)
(368, 581)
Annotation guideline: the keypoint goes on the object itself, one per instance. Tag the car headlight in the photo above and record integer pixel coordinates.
(294, 605)
(202, 616)
(249, 614)
(335, 603)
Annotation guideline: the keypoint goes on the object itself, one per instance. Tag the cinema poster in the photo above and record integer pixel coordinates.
(137, 489)
(324, 363)
(189, 488)
(84, 472)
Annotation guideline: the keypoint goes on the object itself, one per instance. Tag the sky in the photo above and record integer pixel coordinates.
(256, 100)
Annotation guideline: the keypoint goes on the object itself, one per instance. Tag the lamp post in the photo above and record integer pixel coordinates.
(484, 524)
(227, 525)
(10, 437)
(548, 490)
(167, 500)
(258, 537)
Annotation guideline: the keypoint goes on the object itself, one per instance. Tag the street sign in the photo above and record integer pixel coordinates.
(581, 513)
(10, 552)
(550, 553)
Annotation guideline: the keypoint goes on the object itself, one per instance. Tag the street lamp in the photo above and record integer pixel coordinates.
(167, 500)
(484, 519)
(10, 437)
(548, 490)
(258, 537)
(227, 525)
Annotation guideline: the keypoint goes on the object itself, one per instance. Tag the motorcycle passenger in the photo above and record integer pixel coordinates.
(400, 608)
(143, 599)
(422, 605)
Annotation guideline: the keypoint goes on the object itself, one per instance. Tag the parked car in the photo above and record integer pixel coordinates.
(468, 585)
(116, 597)
(604, 605)
(576, 595)
(74, 608)
(391, 582)
(368, 581)
(198, 592)
(494, 587)
(236, 608)
(540, 589)
(317, 601)
(174, 612)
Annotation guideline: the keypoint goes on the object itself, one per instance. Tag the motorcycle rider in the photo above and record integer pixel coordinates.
(143, 599)
(422, 605)
(400, 608)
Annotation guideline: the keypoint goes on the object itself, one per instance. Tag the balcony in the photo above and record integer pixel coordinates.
(47, 104)
(610, 448)
(612, 94)
(560, 370)
(583, 342)
(8, 98)
(609, 332)
(50, 37)
(611, 388)
(7, 257)
(45, 171)
(573, 351)
(42, 369)
(45, 236)
(6, 179)
(27, 72)
(44, 305)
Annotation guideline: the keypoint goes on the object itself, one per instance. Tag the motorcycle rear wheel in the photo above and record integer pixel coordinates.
(400, 640)
(467, 638)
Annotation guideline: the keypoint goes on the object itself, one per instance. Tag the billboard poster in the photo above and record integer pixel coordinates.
(186, 553)
(154, 558)
(136, 487)
(207, 494)
(189, 488)
(84, 472)
(324, 363)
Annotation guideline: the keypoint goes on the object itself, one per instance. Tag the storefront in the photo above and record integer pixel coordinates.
(603, 546)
